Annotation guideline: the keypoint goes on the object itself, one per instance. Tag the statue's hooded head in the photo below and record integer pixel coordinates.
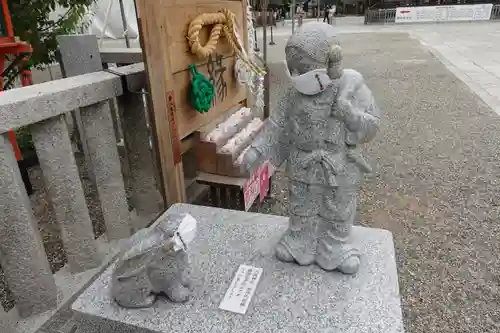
(313, 50)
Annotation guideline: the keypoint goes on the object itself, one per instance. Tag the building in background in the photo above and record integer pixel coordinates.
(358, 7)
(374, 4)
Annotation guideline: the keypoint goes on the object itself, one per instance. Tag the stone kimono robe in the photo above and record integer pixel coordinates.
(319, 135)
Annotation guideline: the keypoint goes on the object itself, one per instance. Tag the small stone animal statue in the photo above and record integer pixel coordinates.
(318, 126)
(154, 264)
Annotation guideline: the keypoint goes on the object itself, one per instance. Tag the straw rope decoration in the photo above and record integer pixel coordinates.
(223, 24)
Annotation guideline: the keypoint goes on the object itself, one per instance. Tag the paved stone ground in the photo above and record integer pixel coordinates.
(435, 185)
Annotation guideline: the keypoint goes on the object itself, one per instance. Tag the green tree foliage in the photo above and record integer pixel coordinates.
(33, 23)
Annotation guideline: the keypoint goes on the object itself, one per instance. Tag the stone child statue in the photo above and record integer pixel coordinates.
(317, 127)
(152, 265)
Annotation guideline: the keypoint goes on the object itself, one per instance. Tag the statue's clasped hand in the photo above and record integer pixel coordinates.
(345, 111)
(251, 161)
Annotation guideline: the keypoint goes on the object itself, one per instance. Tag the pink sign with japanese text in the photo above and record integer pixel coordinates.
(257, 184)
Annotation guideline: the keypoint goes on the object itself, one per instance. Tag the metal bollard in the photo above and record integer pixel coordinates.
(256, 45)
(272, 39)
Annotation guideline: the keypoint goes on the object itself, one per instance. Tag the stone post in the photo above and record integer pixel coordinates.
(146, 198)
(79, 54)
(64, 187)
(105, 160)
(23, 257)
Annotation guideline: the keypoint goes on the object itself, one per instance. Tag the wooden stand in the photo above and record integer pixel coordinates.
(163, 28)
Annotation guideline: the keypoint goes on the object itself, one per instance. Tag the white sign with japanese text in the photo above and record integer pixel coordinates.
(478, 12)
(241, 290)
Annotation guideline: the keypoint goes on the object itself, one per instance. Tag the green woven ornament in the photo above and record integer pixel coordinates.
(201, 94)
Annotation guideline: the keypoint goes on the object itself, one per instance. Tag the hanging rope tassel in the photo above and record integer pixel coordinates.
(202, 92)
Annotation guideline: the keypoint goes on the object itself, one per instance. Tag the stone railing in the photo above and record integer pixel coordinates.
(388, 15)
(37, 292)
(495, 13)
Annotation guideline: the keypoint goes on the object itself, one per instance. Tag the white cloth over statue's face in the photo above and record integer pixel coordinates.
(309, 57)
(312, 82)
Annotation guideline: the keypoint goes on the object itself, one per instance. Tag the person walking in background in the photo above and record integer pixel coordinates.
(300, 14)
(286, 11)
(331, 14)
(326, 18)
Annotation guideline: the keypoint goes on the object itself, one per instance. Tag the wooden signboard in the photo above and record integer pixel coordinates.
(163, 26)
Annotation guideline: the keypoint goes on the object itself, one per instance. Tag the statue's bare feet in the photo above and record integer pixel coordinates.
(350, 265)
(284, 254)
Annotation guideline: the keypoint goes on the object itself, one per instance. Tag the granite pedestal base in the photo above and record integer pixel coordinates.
(289, 298)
